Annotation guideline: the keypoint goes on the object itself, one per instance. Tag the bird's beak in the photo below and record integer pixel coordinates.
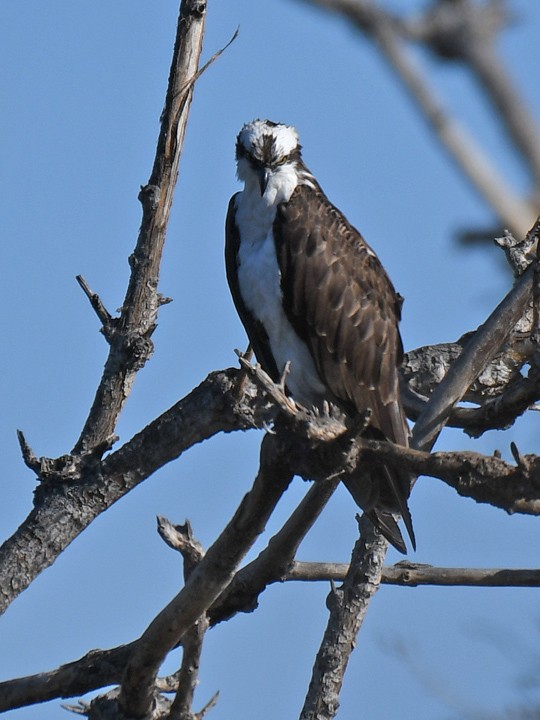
(264, 177)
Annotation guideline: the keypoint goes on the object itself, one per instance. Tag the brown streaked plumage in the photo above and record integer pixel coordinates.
(330, 296)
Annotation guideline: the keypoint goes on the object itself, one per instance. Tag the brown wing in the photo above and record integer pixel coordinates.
(342, 304)
(255, 330)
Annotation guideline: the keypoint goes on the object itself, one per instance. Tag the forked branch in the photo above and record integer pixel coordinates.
(210, 577)
(130, 343)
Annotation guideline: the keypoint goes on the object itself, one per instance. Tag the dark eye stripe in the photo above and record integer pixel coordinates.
(271, 162)
(254, 162)
(268, 159)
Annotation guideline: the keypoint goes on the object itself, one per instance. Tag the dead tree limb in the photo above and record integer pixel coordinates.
(33, 546)
(348, 606)
(480, 349)
(97, 669)
(409, 574)
(497, 413)
(71, 495)
(181, 538)
(77, 487)
(206, 582)
(467, 32)
(130, 343)
(275, 560)
(384, 29)
(486, 479)
(331, 661)
(100, 668)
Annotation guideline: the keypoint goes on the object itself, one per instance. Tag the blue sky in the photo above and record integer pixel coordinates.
(82, 89)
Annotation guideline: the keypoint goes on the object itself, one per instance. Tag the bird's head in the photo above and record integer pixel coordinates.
(264, 150)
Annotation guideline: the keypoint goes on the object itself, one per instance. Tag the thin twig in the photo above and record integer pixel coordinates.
(242, 380)
(209, 705)
(191, 82)
(409, 574)
(275, 391)
(99, 308)
(30, 459)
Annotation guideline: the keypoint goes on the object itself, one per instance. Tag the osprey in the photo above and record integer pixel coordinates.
(310, 290)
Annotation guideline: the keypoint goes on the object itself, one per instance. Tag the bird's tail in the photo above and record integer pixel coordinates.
(382, 494)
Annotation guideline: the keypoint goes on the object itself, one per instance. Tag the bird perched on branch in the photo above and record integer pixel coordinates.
(310, 291)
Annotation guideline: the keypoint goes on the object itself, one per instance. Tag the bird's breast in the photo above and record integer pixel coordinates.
(259, 280)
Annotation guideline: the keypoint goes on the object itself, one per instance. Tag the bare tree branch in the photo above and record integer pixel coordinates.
(181, 538)
(486, 479)
(75, 488)
(409, 574)
(501, 390)
(331, 662)
(467, 31)
(188, 677)
(497, 413)
(106, 319)
(73, 493)
(33, 546)
(98, 668)
(515, 213)
(275, 560)
(520, 252)
(130, 343)
(348, 606)
(207, 580)
(479, 351)
(424, 367)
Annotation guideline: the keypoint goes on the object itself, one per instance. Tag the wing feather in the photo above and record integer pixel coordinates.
(342, 304)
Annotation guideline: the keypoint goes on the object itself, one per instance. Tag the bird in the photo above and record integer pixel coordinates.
(314, 298)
